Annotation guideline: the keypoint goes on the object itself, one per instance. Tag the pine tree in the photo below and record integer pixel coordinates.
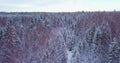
(90, 35)
(113, 52)
(12, 45)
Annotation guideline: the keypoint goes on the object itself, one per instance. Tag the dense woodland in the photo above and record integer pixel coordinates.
(76, 37)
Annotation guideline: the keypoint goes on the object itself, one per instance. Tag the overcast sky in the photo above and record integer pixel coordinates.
(58, 5)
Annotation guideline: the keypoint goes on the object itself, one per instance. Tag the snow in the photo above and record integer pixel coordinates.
(69, 56)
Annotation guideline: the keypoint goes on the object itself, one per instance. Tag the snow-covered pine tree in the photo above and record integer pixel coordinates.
(114, 52)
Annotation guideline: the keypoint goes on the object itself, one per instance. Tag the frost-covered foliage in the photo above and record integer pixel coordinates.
(80, 37)
(114, 52)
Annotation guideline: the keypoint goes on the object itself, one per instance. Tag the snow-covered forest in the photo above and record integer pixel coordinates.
(76, 37)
